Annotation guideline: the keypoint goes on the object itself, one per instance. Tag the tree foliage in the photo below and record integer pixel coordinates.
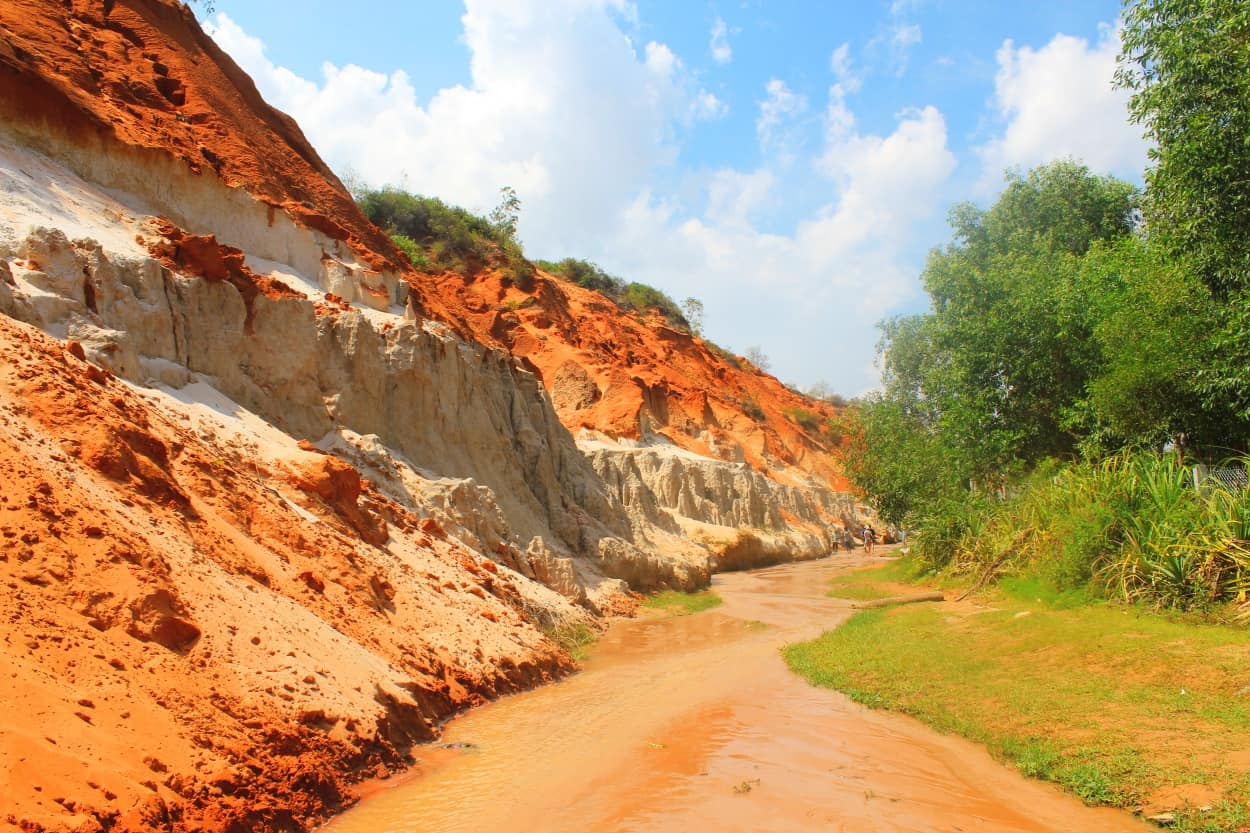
(585, 274)
(1056, 330)
(505, 216)
(628, 296)
(999, 367)
(692, 309)
(1187, 63)
(756, 356)
(1084, 343)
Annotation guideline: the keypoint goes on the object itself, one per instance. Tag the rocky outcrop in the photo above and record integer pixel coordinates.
(760, 520)
(714, 491)
(632, 375)
(449, 406)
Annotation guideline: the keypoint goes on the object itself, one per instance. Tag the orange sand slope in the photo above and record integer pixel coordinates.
(202, 637)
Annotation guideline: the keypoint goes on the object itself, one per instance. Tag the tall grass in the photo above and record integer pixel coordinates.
(1130, 527)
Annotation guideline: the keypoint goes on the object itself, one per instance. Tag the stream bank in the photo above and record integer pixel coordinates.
(695, 723)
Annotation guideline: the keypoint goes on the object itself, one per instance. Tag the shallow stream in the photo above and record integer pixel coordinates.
(694, 723)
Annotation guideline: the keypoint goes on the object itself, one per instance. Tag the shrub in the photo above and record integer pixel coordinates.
(636, 296)
(757, 357)
(1130, 527)
(642, 297)
(519, 270)
(729, 358)
(587, 275)
(805, 419)
(452, 235)
(752, 408)
(412, 250)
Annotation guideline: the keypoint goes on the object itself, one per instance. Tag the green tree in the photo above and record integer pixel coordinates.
(505, 216)
(1154, 335)
(897, 461)
(1003, 360)
(756, 356)
(692, 309)
(1187, 63)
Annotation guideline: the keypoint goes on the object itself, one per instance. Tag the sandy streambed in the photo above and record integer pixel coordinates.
(695, 723)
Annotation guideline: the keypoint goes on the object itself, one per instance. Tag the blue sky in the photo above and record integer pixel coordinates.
(790, 164)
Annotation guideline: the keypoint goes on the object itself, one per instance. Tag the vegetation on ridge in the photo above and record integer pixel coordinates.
(431, 233)
(629, 296)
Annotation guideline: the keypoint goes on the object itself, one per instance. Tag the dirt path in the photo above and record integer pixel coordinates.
(695, 723)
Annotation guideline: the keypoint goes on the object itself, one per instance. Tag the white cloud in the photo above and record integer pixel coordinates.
(898, 8)
(903, 37)
(840, 65)
(811, 296)
(564, 107)
(722, 52)
(887, 182)
(891, 47)
(733, 196)
(660, 59)
(706, 105)
(1058, 101)
(906, 35)
(777, 113)
(561, 106)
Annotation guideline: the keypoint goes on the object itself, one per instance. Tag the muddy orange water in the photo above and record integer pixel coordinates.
(694, 723)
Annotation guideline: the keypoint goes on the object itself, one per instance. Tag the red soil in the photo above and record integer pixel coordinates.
(608, 370)
(203, 256)
(157, 583)
(142, 74)
(128, 703)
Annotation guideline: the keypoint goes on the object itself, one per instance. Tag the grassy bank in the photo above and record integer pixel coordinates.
(1130, 527)
(875, 583)
(682, 604)
(1114, 704)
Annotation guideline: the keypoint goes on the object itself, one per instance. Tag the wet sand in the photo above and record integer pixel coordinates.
(694, 723)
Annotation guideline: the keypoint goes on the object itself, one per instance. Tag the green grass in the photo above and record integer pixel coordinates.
(859, 592)
(1223, 816)
(682, 604)
(1109, 702)
(576, 639)
(866, 585)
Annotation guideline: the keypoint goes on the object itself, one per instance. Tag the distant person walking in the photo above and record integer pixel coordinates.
(868, 535)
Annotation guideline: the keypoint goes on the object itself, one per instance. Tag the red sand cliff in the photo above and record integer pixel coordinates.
(129, 701)
(140, 74)
(196, 636)
(610, 371)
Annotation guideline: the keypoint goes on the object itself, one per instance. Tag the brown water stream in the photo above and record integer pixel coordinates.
(694, 723)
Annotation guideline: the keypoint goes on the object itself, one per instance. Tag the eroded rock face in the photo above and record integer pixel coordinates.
(762, 521)
(197, 631)
(448, 405)
(714, 491)
(573, 389)
(272, 506)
